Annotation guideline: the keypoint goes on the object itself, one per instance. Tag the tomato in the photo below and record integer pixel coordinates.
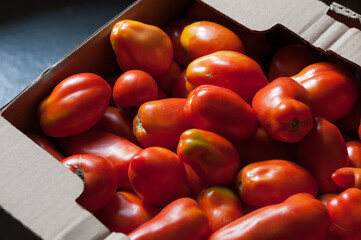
(322, 152)
(351, 122)
(204, 37)
(347, 177)
(262, 147)
(290, 60)
(211, 156)
(158, 176)
(283, 109)
(182, 219)
(354, 153)
(228, 69)
(75, 105)
(141, 46)
(359, 130)
(167, 80)
(221, 206)
(118, 122)
(46, 144)
(345, 211)
(133, 88)
(117, 150)
(334, 89)
(99, 176)
(222, 111)
(273, 181)
(299, 217)
(174, 30)
(125, 212)
(324, 198)
(160, 123)
(196, 184)
(179, 89)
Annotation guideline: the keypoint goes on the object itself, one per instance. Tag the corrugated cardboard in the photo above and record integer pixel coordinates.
(40, 192)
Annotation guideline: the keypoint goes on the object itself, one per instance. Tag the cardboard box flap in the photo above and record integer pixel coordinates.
(22, 190)
(307, 18)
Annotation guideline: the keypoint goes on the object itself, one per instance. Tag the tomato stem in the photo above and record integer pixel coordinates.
(294, 124)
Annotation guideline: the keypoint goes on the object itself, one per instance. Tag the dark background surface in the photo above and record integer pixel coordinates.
(36, 34)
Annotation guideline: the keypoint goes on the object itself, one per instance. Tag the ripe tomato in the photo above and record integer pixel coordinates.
(167, 80)
(222, 111)
(133, 88)
(46, 144)
(125, 212)
(158, 176)
(75, 105)
(179, 89)
(351, 122)
(347, 177)
(273, 181)
(196, 184)
(204, 37)
(99, 176)
(228, 69)
(141, 46)
(354, 153)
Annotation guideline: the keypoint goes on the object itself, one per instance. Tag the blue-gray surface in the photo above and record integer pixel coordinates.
(34, 41)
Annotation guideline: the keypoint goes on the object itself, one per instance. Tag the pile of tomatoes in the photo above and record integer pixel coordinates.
(194, 141)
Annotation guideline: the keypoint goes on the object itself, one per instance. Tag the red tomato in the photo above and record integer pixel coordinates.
(160, 123)
(273, 181)
(351, 122)
(125, 212)
(75, 105)
(354, 153)
(204, 37)
(167, 80)
(228, 69)
(222, 111)
(182, 219)
(196, 184)
(345, 211)
(324, 198)
(46, 144)
(221, 206)
(133, 88)
(158, 176)
(347, 177)
(211, 156)
(290, 60)
(334, 90)
(141, 46)
(118, 122)
(99, 176)
(117, 150)
(283, 109)
(174, 30)
(300, 217)
(179, 89)
(322, 152)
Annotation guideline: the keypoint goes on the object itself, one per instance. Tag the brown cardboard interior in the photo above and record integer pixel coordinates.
(49, 189)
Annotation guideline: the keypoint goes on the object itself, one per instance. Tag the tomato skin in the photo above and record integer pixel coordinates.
(211, 156)
(204, 37)
(196, 184)
(347, 177)
(74, 105)
(125, 212)
(299, 217)
(174, 30)
(222, 111)
(141, 46)
(221, 206)
(351, 122)
(46, 144)
(117, 150)
(283, 108)
(160, 123)
(167, 80)
(324, 198)
(334, 90)
(179, 89)
(322, 152)
(133, 88)
(182, 219)
(290, 60)
(354, 153)
(158, 176)
(345, 210)
(273, 181)
(228, 69)
(99, 176)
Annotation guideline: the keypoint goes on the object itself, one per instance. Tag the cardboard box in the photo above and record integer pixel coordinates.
(38, 191)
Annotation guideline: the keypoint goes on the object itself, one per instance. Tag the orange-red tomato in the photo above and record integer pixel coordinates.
(133, 88)
(354, 153)
(347, 177)
(228, 69)
(125, 212)
(99, 176)
(46, 144)
(273, 181)
(141, 46)
(204, 37)
(75, 105)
